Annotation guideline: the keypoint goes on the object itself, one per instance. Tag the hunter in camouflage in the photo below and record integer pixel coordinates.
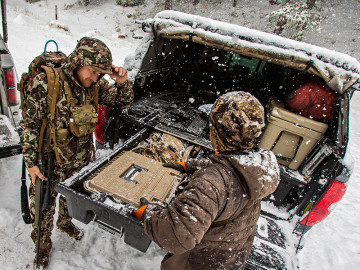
(212, 223)
(81, 73)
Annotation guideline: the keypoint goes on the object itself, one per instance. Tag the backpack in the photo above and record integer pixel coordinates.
(313, 99)
(53, 59)
(50, 62)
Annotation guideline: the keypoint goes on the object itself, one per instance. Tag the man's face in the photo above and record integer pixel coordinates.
(87, 75)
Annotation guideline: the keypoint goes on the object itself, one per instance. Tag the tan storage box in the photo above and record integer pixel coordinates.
(290, 136)
(132, 176)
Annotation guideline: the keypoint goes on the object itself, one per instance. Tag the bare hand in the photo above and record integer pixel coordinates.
(119, 74)
(35, 172)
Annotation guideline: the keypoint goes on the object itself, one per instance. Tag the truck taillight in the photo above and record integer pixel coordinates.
(11, 85)
(10, 77)
(327, 203)
(100, 125)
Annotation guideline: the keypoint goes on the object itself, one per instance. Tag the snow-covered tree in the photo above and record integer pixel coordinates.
(127, 3)
(293, 18)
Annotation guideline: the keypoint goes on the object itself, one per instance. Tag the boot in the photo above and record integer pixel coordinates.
(45, 248)
(43, 260)
(71, 230)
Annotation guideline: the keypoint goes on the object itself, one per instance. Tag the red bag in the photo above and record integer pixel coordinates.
(314, 99)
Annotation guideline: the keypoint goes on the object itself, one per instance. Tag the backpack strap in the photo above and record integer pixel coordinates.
(52, 97)
(69, 96)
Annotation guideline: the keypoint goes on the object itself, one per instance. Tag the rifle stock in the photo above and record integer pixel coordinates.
(25, 211)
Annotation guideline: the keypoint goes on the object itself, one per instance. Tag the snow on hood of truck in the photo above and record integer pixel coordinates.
(339, 70)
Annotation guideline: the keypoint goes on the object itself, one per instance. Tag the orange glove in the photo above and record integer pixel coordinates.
(182, 164)
(179, 166)
(138, 213)
(143, 204)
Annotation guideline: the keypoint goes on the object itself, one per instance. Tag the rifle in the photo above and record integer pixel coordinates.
(113, 126)
(42, 196)
(25, 211)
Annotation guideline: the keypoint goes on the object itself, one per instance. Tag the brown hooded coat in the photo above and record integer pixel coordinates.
(229, 189)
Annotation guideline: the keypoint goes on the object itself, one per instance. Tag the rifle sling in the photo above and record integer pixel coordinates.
(38, 200)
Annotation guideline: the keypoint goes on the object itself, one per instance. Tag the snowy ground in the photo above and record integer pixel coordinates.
(332, 244)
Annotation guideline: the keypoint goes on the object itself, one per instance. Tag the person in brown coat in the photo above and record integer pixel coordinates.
(212, 223)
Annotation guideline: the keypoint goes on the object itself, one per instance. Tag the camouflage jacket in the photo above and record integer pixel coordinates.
(74, 152)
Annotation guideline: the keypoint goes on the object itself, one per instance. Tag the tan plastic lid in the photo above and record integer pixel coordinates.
(278, 110)
(132, 176)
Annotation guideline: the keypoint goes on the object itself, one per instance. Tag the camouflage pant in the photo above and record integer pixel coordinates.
(47, 223)
(61, 172)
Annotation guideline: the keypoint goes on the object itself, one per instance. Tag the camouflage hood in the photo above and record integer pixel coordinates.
(236, 120)
(89, 52)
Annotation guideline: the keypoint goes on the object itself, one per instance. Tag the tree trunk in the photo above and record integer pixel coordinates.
(196, 2)
(234, 3)
(4, 20)
(168, 4)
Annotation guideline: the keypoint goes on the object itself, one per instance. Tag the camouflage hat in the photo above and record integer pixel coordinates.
(236, 120)
(93, 52)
